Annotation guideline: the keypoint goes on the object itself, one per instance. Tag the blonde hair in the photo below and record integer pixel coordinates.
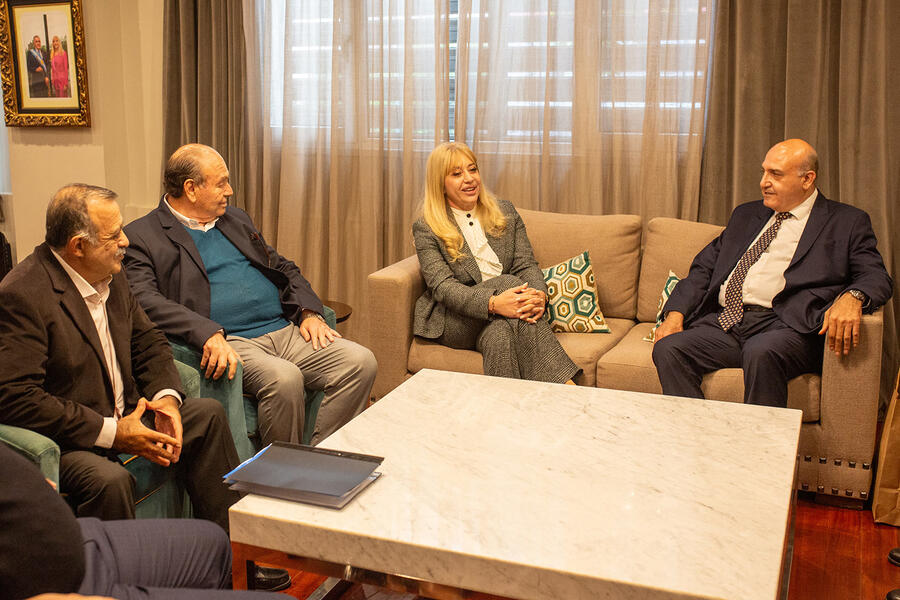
(441, 161)
(53, 51)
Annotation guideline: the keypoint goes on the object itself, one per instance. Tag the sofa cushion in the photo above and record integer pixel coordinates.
(629, 366)
(427, 354)
(614, 242)
(572, 302)
(669, 245)
(583, 349)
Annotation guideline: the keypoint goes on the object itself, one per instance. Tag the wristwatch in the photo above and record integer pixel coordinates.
(858, 295)
(310, 313)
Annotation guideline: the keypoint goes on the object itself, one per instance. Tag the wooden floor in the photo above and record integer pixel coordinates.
(839, 554)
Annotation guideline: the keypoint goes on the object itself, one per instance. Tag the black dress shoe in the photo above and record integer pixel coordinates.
(894, 556)
(271, 580)
(893, 595)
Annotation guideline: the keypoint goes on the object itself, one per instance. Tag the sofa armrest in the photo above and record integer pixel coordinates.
(393, 292)
(850, 391)
(39, 449)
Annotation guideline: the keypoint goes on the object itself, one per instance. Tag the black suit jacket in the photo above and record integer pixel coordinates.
(54, 379)
(168, 277)
(40, 541)
(837, 252)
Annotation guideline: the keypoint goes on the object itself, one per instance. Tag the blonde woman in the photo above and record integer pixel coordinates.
(484, 289)
(59, 69)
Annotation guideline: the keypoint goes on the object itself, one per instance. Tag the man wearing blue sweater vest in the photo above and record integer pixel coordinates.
(204, 274)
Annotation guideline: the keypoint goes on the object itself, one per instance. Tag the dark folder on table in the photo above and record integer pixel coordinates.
(305, 474)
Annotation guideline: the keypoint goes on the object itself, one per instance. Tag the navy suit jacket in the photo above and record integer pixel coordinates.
(837, 252)
(168, 278)
(54, 378)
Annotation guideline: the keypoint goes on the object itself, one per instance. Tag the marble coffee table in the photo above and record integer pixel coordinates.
(544, 492)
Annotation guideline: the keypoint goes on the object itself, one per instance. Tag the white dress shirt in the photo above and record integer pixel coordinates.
(189, 222)
(488, 262)
(95, 298)
(765, 279)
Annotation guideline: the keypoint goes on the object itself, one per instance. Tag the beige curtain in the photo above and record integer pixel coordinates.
(825, 71)
(204, 83)
(353, 97)
(572, 105)
(586, 106)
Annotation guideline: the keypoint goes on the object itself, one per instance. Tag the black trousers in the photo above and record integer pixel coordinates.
(99, 486)
(158, 558)
(768, 350)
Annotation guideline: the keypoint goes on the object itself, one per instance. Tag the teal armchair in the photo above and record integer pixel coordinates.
(40, 450)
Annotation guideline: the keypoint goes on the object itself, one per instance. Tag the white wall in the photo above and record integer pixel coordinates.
(123, 147)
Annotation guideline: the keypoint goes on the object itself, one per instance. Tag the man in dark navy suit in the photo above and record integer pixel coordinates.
(38, 61)
(786, 270)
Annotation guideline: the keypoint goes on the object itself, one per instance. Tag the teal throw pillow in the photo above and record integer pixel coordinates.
(573, 297)
(663, 298)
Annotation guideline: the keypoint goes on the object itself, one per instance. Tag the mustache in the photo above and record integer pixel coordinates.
(120, 253)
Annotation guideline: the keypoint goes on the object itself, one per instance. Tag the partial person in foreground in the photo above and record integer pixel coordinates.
(787, 270)
(44, 549)
(205, 275)
(484, 289)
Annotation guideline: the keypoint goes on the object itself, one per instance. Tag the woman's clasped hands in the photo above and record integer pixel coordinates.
(520, 302)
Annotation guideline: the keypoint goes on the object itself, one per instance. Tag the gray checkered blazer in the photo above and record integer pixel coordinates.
(455, 285)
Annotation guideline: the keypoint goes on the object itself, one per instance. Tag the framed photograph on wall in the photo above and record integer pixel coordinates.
(43, 67)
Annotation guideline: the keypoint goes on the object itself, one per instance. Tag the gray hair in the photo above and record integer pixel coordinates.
(185, 163)
(67, 213)
(810, 163)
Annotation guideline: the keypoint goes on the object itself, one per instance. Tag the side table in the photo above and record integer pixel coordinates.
(342, 311)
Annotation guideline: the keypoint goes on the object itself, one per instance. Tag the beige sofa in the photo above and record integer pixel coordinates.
(631, 264)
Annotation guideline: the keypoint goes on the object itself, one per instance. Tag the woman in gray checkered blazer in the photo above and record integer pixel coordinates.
(484, 289)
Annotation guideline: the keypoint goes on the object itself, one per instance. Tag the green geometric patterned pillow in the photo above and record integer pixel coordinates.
(573, 297)
(663, 298)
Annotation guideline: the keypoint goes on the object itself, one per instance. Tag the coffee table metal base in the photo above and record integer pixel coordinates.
(244, 558)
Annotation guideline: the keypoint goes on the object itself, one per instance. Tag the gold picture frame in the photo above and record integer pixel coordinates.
(43, 67)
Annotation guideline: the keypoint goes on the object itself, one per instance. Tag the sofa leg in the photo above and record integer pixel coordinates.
(840, 501)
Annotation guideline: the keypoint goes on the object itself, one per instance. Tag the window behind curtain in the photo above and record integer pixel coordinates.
(532, 61)
(377, 34)
(542, 52)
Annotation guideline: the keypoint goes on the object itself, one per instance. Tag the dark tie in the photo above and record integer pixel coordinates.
(733, 311)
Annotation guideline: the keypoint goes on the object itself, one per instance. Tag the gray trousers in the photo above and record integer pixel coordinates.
(279, 365)
(510, 347)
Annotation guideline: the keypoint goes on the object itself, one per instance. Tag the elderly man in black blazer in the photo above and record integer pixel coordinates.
(786, 270)
(83, 365)
(205, 275)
